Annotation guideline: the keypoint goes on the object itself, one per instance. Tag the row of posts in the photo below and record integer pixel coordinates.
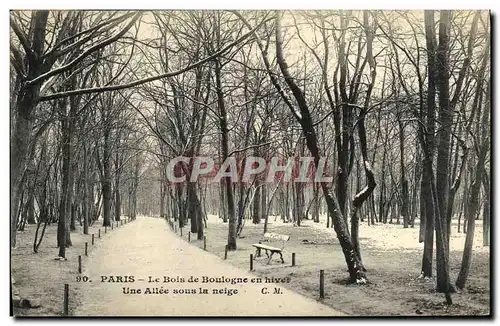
(86, 251)
(321, 272)
(175, 228)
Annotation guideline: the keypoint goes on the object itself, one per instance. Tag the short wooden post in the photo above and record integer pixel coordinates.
(86, 248)
(251, 262)
(225, 253)
(205, 242)
(99, 234)
(181, 232)
(189, 236)
(79, 264)
(321, 284)
(66, 300)
(105, 229)
(92, 238)
(293, 259)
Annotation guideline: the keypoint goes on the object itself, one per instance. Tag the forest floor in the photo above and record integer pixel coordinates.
(40, 277)
(392, 256)
(149, 248)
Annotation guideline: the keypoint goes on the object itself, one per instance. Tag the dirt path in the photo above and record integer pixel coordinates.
(147, 248)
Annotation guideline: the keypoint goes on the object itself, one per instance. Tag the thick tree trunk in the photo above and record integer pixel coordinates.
(30, 204)
(471, 221)
(264, 205)
(486, 211)
(367, 191)
(118, 204)
(343, 155)
(440, 186)
(72, 208)
(192, 207)
(317, 203)
(473, 202)
(428, 145)
(428, 215)
(86, 198)
(231, 238)
(222, 207)
(62, 226)
(445, 116)
(163, 192)
(26, 102)
(422, 207)
(404, 182)
(18, 155)
(256, 204)
(106, 181)
(356, 273)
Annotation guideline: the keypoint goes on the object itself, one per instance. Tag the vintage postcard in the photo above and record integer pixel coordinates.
(313, 163)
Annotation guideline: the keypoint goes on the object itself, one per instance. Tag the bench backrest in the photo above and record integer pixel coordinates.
(277, 237)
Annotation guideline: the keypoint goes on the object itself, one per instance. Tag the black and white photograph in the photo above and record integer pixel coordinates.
(250, 163)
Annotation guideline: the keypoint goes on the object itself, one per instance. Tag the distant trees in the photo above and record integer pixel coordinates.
(42, 39)
(396, 101)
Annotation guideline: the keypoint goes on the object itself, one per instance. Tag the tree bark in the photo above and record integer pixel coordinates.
(106, 180)
(86, 198)
(232, 234)
(356, 273)
(473, 202)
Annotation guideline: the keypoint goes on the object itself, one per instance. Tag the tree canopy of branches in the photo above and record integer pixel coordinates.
(397, 103)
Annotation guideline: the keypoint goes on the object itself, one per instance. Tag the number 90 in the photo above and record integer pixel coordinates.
(82, 278)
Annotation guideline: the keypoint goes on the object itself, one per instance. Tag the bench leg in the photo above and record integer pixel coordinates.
(267, 253)
(257, 253)
(269, 260)
(281, 256)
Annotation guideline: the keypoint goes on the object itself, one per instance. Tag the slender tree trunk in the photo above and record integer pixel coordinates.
(231, 240)
(473, 202)
(62, 226)
(422, 226)
(486, 211)
(86, 198)
(354, 265)
(118, 203)
(256, 204)
(404, 181)
(106, 182)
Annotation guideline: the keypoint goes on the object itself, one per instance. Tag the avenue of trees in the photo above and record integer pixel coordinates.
(398, 102)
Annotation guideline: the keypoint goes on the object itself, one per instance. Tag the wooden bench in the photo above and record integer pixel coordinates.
(268, 236)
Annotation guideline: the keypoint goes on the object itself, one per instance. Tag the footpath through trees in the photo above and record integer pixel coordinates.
(146, 270)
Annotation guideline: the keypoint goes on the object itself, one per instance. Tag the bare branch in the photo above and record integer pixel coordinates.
(149, 79)
(85, 54)
(247, 148)
(23, 39)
